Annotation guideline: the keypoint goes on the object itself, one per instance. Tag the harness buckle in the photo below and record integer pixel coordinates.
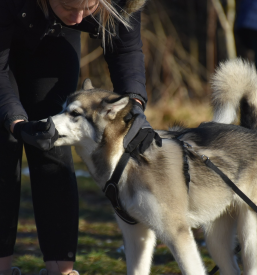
(187, 145)
(204, 158)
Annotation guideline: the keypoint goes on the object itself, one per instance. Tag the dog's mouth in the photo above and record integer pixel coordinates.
(62, 136)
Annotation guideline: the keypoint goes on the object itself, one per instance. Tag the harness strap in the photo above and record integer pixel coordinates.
(225, 178)
(116, 175)
(111, 190)
(185, 161)
(231, 184)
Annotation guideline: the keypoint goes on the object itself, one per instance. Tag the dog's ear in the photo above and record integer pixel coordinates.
(111, 108)
(87, 85)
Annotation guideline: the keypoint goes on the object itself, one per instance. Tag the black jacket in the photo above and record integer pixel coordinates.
(23, 22)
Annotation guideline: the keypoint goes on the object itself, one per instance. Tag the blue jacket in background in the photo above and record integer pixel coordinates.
(246, 15)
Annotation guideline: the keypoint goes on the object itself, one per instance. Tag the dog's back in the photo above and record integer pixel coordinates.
(231, 148)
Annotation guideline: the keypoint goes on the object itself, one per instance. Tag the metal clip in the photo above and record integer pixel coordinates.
(187, 145)
(190, 148)
(204, 158)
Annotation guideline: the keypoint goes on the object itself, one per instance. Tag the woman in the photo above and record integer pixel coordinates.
(39, 68)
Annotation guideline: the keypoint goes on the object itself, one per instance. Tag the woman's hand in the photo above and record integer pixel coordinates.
(37, 133)
(141, 133)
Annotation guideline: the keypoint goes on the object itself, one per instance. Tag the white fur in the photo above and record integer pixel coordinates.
(233, 80)
(171, 216)
(139, 239)
(139, 244)
(114, 108)
(226, 114)
(74, 131)
(75, 105)
(247, 228)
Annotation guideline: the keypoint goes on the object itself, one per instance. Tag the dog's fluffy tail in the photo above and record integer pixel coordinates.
(234, 87)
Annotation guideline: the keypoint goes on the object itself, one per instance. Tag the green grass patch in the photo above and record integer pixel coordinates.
(29, 264)
(99, 262)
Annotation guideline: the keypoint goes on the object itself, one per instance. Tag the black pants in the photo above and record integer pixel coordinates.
(42, 79)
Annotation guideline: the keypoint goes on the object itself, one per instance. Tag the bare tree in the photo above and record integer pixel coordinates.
(227, 22)
(211, 54)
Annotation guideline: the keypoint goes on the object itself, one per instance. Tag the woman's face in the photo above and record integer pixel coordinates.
(72, 12)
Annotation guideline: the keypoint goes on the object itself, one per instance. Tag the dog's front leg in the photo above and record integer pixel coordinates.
(139, 243)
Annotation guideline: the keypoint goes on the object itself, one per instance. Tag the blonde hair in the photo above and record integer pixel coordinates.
(106, 19)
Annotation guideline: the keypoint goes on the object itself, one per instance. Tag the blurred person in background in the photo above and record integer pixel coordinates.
(246, 29)
(39, 68)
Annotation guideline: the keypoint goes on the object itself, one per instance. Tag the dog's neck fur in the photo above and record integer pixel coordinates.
(100, 159)
(108, 152)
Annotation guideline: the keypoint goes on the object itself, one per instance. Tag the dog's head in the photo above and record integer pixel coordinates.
(93, 117)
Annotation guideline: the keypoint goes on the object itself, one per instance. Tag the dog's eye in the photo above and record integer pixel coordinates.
(75, 113)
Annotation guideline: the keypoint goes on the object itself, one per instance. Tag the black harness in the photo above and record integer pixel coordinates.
(111, 188)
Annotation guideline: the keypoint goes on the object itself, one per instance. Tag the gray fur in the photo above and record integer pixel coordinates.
(153, 188)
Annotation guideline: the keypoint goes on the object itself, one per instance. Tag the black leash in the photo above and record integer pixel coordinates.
(230, 183)
(225, 178)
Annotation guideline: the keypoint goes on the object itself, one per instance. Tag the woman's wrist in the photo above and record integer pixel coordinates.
(137, 100)
(13, 124)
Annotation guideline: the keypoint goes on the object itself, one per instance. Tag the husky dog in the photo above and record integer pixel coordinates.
(153, 188)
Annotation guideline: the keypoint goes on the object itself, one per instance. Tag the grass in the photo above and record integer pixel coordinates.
(100, 245)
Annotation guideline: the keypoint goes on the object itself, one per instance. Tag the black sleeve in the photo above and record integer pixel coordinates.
(126, 60)
(10, 105)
